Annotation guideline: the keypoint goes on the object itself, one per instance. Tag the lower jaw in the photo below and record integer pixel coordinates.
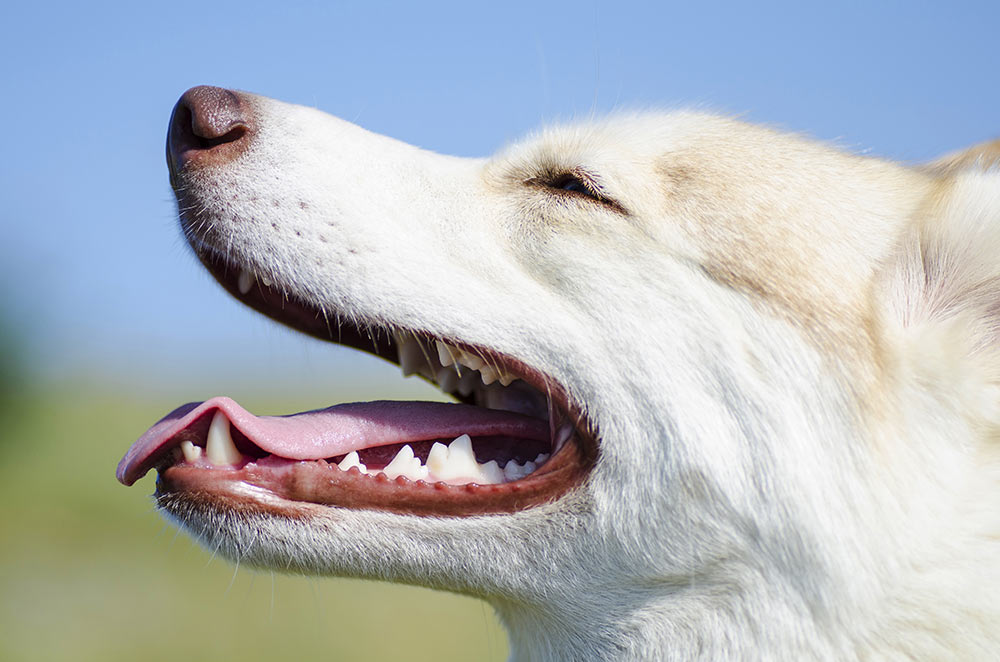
(284, 487)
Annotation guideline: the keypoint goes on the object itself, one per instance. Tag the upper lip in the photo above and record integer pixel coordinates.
(561, 472)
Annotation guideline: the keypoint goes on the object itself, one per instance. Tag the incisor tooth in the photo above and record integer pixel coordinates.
(191, 452)
(244, 281)
(219, 448)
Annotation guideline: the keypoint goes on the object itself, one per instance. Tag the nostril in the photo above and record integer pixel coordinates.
(207, 126)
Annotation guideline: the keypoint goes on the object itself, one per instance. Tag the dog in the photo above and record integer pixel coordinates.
(722, 392)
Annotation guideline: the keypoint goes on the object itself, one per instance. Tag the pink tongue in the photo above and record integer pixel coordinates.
(340, 429)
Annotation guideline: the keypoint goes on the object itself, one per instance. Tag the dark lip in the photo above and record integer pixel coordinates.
(314, 482)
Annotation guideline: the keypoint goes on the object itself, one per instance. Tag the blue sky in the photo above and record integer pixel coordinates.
(92, 268)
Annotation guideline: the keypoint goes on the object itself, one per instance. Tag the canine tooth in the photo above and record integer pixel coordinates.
(447, 379)
(470, 360)
(405, 464)
(488, 374)
(191, 452)
(352, 460)
(411, 356)
(446, 354)
(219, 448)
(244, 281)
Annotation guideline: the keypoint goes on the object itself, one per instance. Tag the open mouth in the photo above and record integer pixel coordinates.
(512, 439)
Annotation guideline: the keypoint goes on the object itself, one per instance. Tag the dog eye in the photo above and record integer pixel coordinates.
(576, 184)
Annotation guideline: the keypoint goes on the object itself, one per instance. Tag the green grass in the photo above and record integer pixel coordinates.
(88, 571)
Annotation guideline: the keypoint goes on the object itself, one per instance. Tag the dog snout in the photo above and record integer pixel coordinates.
(209, 125)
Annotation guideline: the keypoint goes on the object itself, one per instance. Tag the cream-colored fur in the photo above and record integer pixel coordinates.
(790, 353)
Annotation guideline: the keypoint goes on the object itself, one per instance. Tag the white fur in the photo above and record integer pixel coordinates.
(790, 354)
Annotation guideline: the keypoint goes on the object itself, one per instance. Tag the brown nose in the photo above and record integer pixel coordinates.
(209, 125)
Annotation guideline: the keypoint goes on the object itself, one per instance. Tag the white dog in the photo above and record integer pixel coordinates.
(729, 394)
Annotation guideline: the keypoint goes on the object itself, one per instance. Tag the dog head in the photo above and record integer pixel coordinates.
(760, 372)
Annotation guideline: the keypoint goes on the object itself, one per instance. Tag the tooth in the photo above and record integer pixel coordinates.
(447, 379)
(494, 397)
(506, 378)
(528, 468)
(352, 460)
(467, 384)
(437, 459)
(470, 360)
(411, 356)
(405, 464)
(488, 374)
(459, 465)
(513, 471)
(220, 449)
(490, 473)
(562, 435)
(191, 452)
(445, 353)
(540, 460)
(265, 281)
(244, 281)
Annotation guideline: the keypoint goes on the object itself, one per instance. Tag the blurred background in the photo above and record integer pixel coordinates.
(107, 321)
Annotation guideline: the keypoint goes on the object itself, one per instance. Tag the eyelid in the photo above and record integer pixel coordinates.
(592, 190)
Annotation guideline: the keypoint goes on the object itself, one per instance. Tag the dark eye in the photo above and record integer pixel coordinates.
(570, 182)
(578, 183)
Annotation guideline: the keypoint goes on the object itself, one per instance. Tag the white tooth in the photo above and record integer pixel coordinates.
(488, 374)
(540, 460)
(528, 468)
(411, 356)
(459, 466)
(506, 378)
(490, 473)
(447, 379)
(494, 397)
(470, 360)
(437, 459)
(244, 281)
(191, 452)
(352, 460)
(405, 464)
(446, 354)
(513, 471)
(219, 448)
(562, 435)
(467, 384)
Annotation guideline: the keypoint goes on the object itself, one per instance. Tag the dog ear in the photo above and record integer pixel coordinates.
(941, 288)
(984, 156)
